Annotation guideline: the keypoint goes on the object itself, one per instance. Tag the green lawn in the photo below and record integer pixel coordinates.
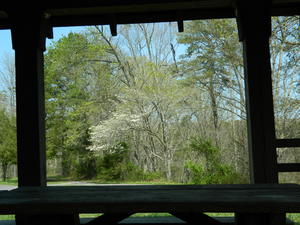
(50, 180)
(7, 217)
(294, 217)
(11, 181)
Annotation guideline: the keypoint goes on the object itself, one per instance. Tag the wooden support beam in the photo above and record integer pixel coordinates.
(259, 219)
(68, 219)
(196, 218)
(113, 26)
(144, 17)
(289, 167)
(180, 25)
(288, 143)
(109, 218)
(29, 45)
(254, 24)
(113, 29)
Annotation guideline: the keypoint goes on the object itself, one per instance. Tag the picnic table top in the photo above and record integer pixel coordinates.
(262, 198)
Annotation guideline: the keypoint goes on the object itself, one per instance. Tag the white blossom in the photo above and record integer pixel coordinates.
(106, 134)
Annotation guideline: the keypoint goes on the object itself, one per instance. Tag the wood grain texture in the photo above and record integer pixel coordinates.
(131, 199)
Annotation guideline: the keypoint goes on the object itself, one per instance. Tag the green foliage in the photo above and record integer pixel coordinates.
(221, 174)
(204, 147)
(8, 142)
(116, 166)
(71, 69)
(214, 171)
(85, 168)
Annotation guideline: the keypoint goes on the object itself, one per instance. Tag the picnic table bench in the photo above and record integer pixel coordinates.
(252, 204)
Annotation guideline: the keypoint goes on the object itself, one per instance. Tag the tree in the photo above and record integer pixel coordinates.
(213, 62)
(148, 91)
(285, 61)
(8, 148)
(8, 145)
(73, 66)
(213, 65)
(146, 119)
(7, 78)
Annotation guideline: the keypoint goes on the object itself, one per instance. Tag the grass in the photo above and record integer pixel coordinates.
(11, 181)
(50, 180)
(156, 182)
(294, 217)
(7, 217)
(59, 179)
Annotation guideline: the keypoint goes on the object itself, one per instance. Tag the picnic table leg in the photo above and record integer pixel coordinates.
(260, 219)
(65, 219)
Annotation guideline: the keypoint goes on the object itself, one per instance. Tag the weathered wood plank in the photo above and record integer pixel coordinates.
(128, 199)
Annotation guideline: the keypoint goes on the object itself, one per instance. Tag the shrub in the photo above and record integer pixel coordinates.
(116, 166)
(222, 174)
(85, 168)
(214, 171)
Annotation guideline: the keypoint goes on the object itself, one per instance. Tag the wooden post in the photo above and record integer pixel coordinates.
(29, 32)
(29, 44)
(254, 23)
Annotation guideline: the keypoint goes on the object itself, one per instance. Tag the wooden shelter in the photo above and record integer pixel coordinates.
(31, 25)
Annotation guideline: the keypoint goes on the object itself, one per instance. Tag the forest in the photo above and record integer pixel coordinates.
(152, 104)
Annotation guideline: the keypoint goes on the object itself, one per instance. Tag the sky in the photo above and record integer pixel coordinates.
(5, 38)
(6, 45)
(58, 32)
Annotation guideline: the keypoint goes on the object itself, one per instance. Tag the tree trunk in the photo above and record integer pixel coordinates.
(4, 167)
(168, 169)
(65, 164)
(214, 109)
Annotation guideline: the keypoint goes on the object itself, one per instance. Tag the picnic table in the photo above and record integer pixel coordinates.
(252, 204)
